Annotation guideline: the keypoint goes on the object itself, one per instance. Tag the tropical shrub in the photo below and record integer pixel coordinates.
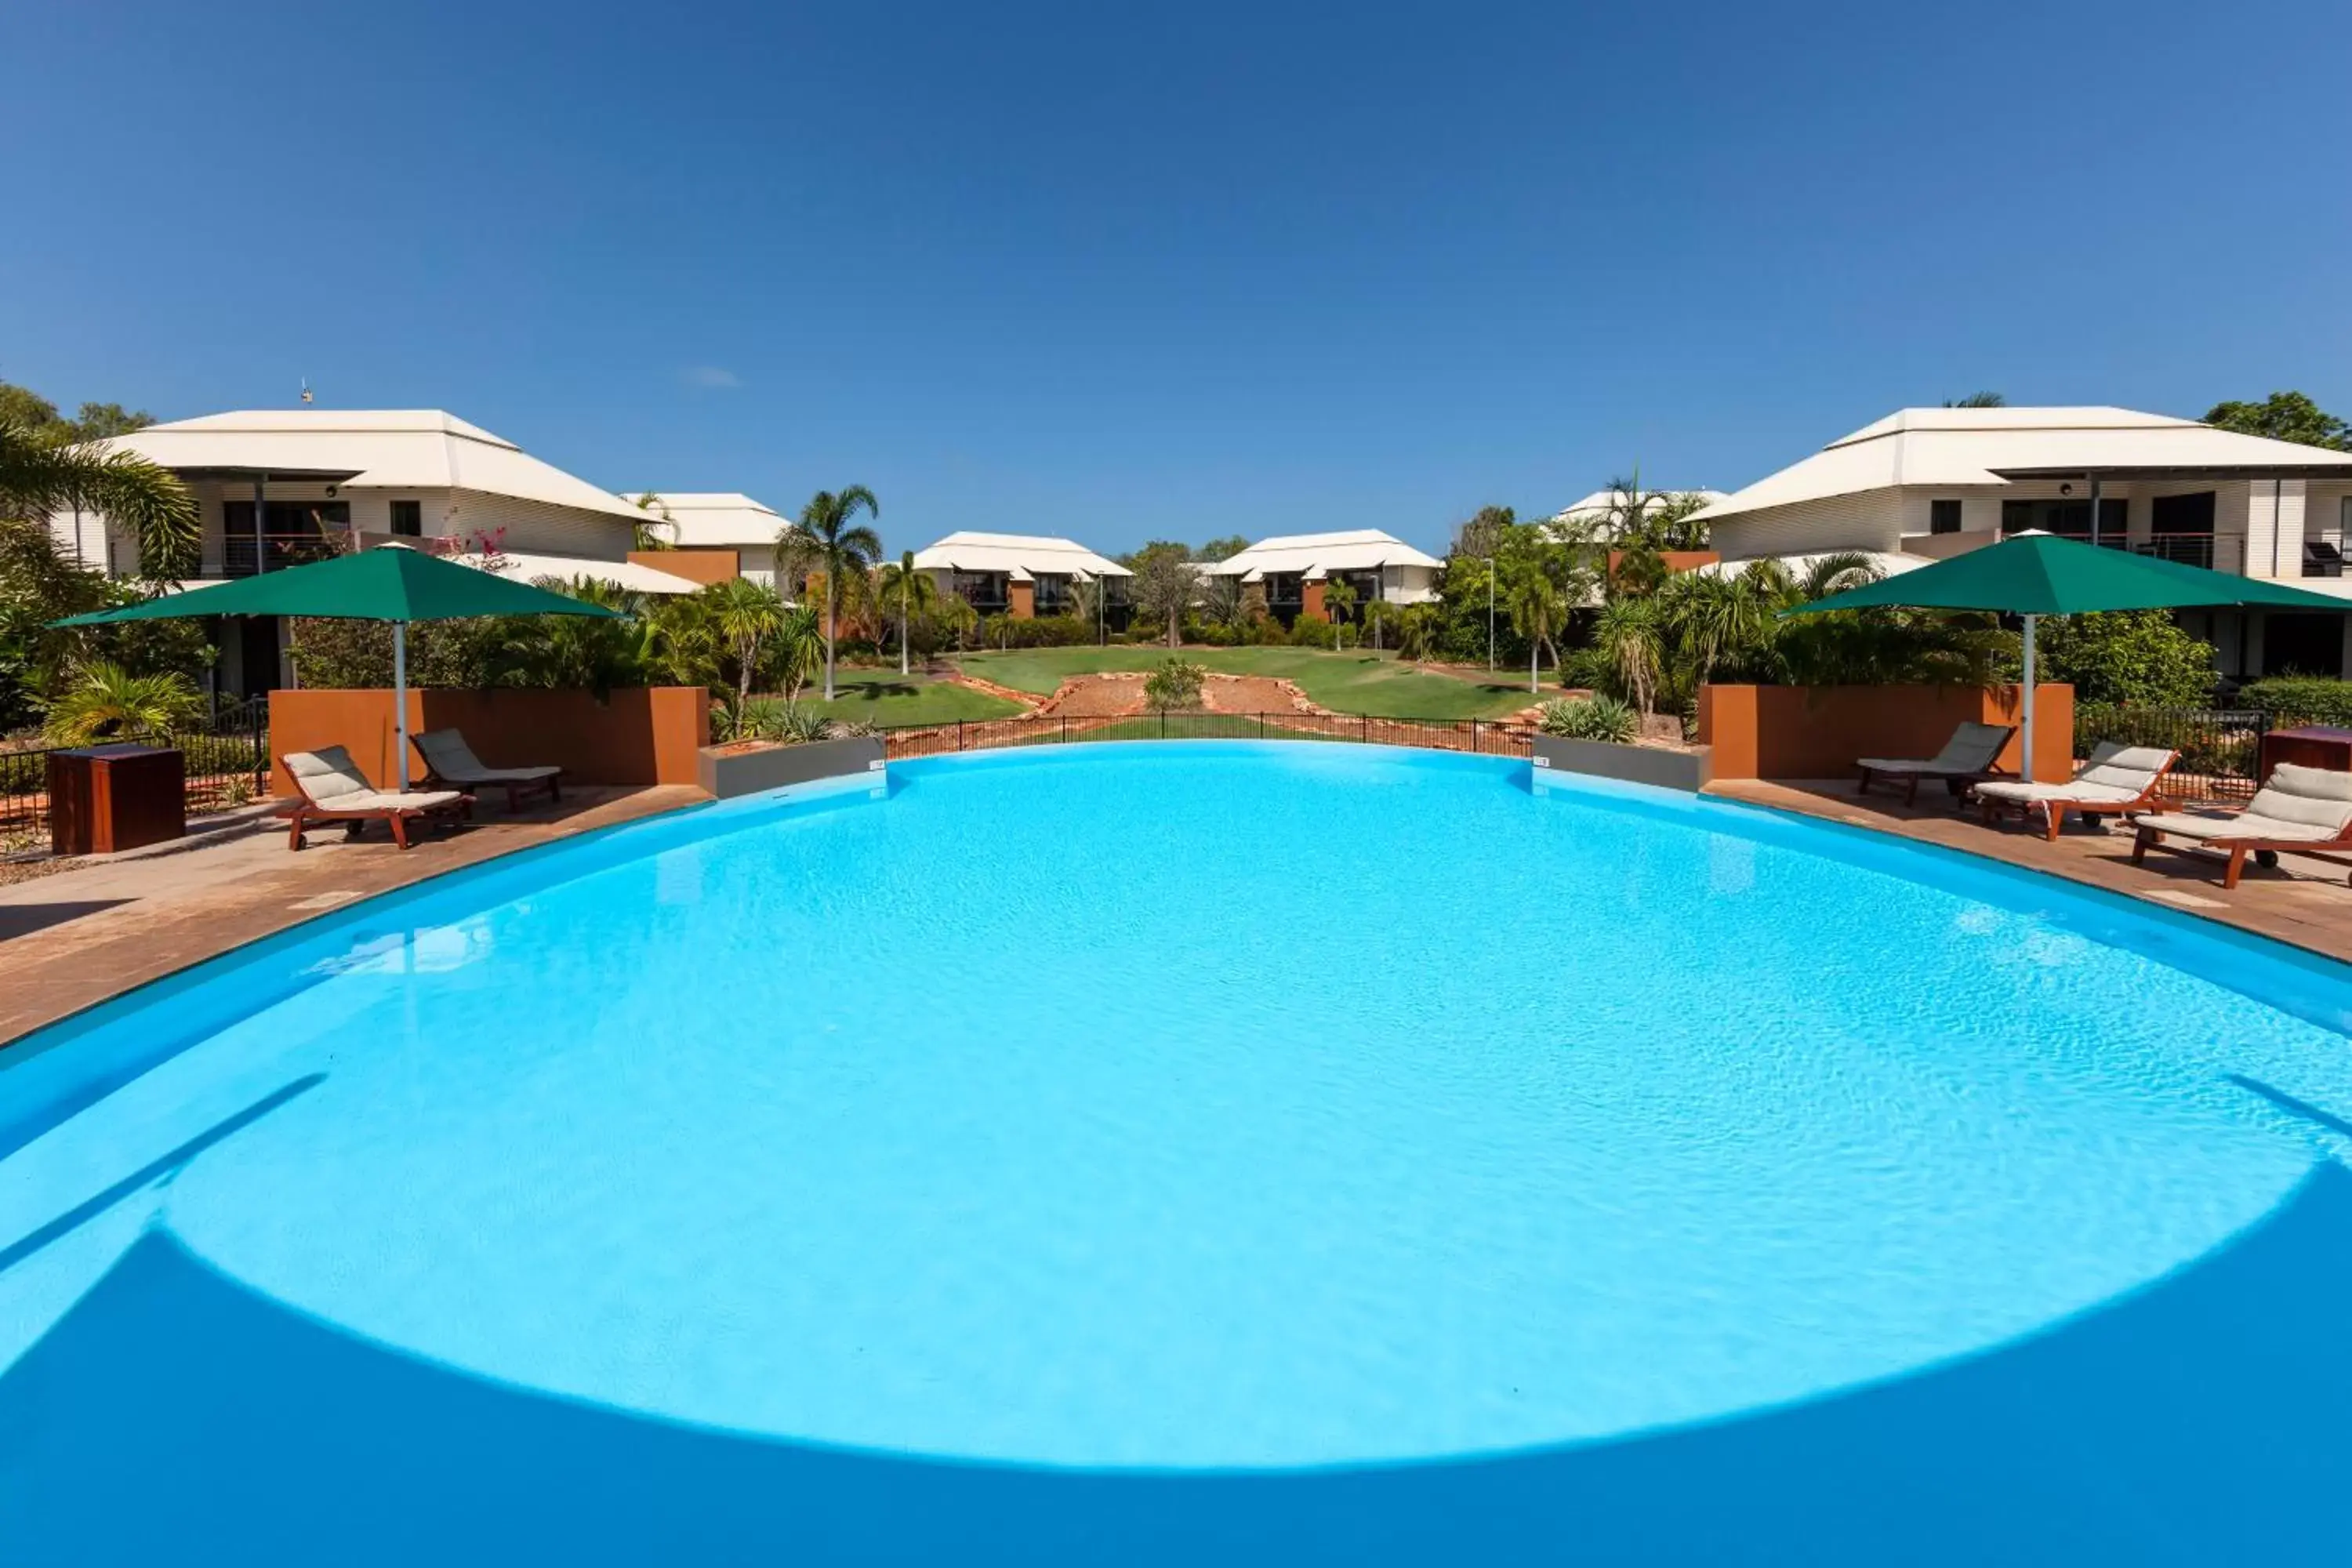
(1313, 631)
(2139, 656)
(1267, 631)
(1048, 631)
(108, 702)
(2306, 699)
(1175, 684)
(1597, 718)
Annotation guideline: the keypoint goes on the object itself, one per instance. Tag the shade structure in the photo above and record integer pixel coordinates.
(2042, 574)
(2038, 575)
(395, 585)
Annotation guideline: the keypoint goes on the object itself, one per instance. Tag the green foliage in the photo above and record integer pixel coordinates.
(1164, 587)
(829, 538)
(42, 472)
(1420, 629)
(39, 584)
(1634, 519)
(1594, 717)
(2301, 698)
(2285, 416)
(1978, 400)
(1175, 684)
(2126, 657)
(1223, 549)
(1313, 631)
(106, 702)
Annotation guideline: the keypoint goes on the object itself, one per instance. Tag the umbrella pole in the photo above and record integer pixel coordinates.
(2026, 705)
(400, 697)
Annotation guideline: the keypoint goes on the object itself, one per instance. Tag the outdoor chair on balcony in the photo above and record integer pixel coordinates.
(2117, 779)
(2321, 559)
(1966, 758)
(2298, 809)
(448, 761)
(334, 790)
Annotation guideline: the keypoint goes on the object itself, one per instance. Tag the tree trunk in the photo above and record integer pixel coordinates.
(828, 636)
(902, 633)
(1532, 687)
(1173, 630)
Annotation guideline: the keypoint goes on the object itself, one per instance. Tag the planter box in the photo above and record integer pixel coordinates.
(1631, 764)
(725, 774)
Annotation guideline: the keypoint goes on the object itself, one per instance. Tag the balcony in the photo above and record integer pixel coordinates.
(242, 556)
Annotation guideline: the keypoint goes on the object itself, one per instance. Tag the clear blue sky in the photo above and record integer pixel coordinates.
(1128, 271)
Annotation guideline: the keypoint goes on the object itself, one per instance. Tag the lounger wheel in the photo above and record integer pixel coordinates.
(2266, 859)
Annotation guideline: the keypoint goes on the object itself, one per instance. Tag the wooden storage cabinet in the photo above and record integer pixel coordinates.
(105, 798)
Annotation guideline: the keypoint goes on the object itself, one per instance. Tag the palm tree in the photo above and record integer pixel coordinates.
(914, 592)
(649, 535)
(746, 614)
(1339, 598)
(108, 701)
(39, 476)
(826, 537)
(1538, 607)
(1978, 400)
(799, 646)
(1629, 637)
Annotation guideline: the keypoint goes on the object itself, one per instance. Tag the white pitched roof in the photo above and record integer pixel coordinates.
(1319, 554)
(1021, 556)
(720, 518)
(381, 448)
(1602, 501)
(628, 574)
(1955, 446)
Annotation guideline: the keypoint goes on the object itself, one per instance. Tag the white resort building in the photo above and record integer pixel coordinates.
(1018, 574)
(1924, 484)
(706, 524)
(278, 488)
(1290, 570)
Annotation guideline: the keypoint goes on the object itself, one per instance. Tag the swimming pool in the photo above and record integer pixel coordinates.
(1136, 1152)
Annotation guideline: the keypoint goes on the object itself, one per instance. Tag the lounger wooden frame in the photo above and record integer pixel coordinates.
(304, 813)
(2056, 807)
(2239, 848)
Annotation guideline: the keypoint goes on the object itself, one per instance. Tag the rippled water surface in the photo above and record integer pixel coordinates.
(1190, 1108)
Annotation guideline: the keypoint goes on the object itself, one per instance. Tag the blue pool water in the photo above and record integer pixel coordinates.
(1149, 1152)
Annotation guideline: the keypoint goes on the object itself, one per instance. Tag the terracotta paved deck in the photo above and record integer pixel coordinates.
(2305, 901)
(77, 938)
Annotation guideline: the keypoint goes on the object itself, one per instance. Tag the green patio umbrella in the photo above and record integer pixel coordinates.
(2037, 574)
(395, 584)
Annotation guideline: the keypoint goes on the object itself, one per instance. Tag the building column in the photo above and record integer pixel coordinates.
(1020, 600)
(1310, 599)
(2274, 528)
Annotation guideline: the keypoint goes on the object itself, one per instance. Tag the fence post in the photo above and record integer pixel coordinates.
(1363, 728)
(1474, 737)
(958, 734)
(1261, 724)
(1163, 723)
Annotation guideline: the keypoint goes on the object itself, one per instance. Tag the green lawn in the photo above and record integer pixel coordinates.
(1352, 682)
(893, 699)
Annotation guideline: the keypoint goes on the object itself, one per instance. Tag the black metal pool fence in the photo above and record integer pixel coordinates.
(1485, 737)
(226, 760)
(2221, 748)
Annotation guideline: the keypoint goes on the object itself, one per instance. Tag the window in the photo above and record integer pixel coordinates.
(408, 518)
(2071, 519)
(1943, 517)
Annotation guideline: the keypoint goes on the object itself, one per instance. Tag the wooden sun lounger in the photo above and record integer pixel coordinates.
(2115, 782)
(1968, 757)
(334, 790)
(451, 763)
(2298, 811)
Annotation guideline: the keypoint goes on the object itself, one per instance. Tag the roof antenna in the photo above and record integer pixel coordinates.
(306, 389)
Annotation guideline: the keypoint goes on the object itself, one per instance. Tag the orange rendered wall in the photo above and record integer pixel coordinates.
(1817, 732)
(1310, 600)
(696, 565)
(637, 735)
(1020, 600)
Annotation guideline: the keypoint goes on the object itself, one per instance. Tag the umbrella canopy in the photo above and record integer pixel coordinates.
(397, 584)
(2037, 574)
(392, 584)
(2042, 574)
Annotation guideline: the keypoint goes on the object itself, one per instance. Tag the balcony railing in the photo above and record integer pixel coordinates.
(242, 555)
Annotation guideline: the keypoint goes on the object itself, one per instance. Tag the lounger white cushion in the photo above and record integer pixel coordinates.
(446, 753)
(2300, 805)
(330, 781)
(2115, 772)
(1971, 749)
